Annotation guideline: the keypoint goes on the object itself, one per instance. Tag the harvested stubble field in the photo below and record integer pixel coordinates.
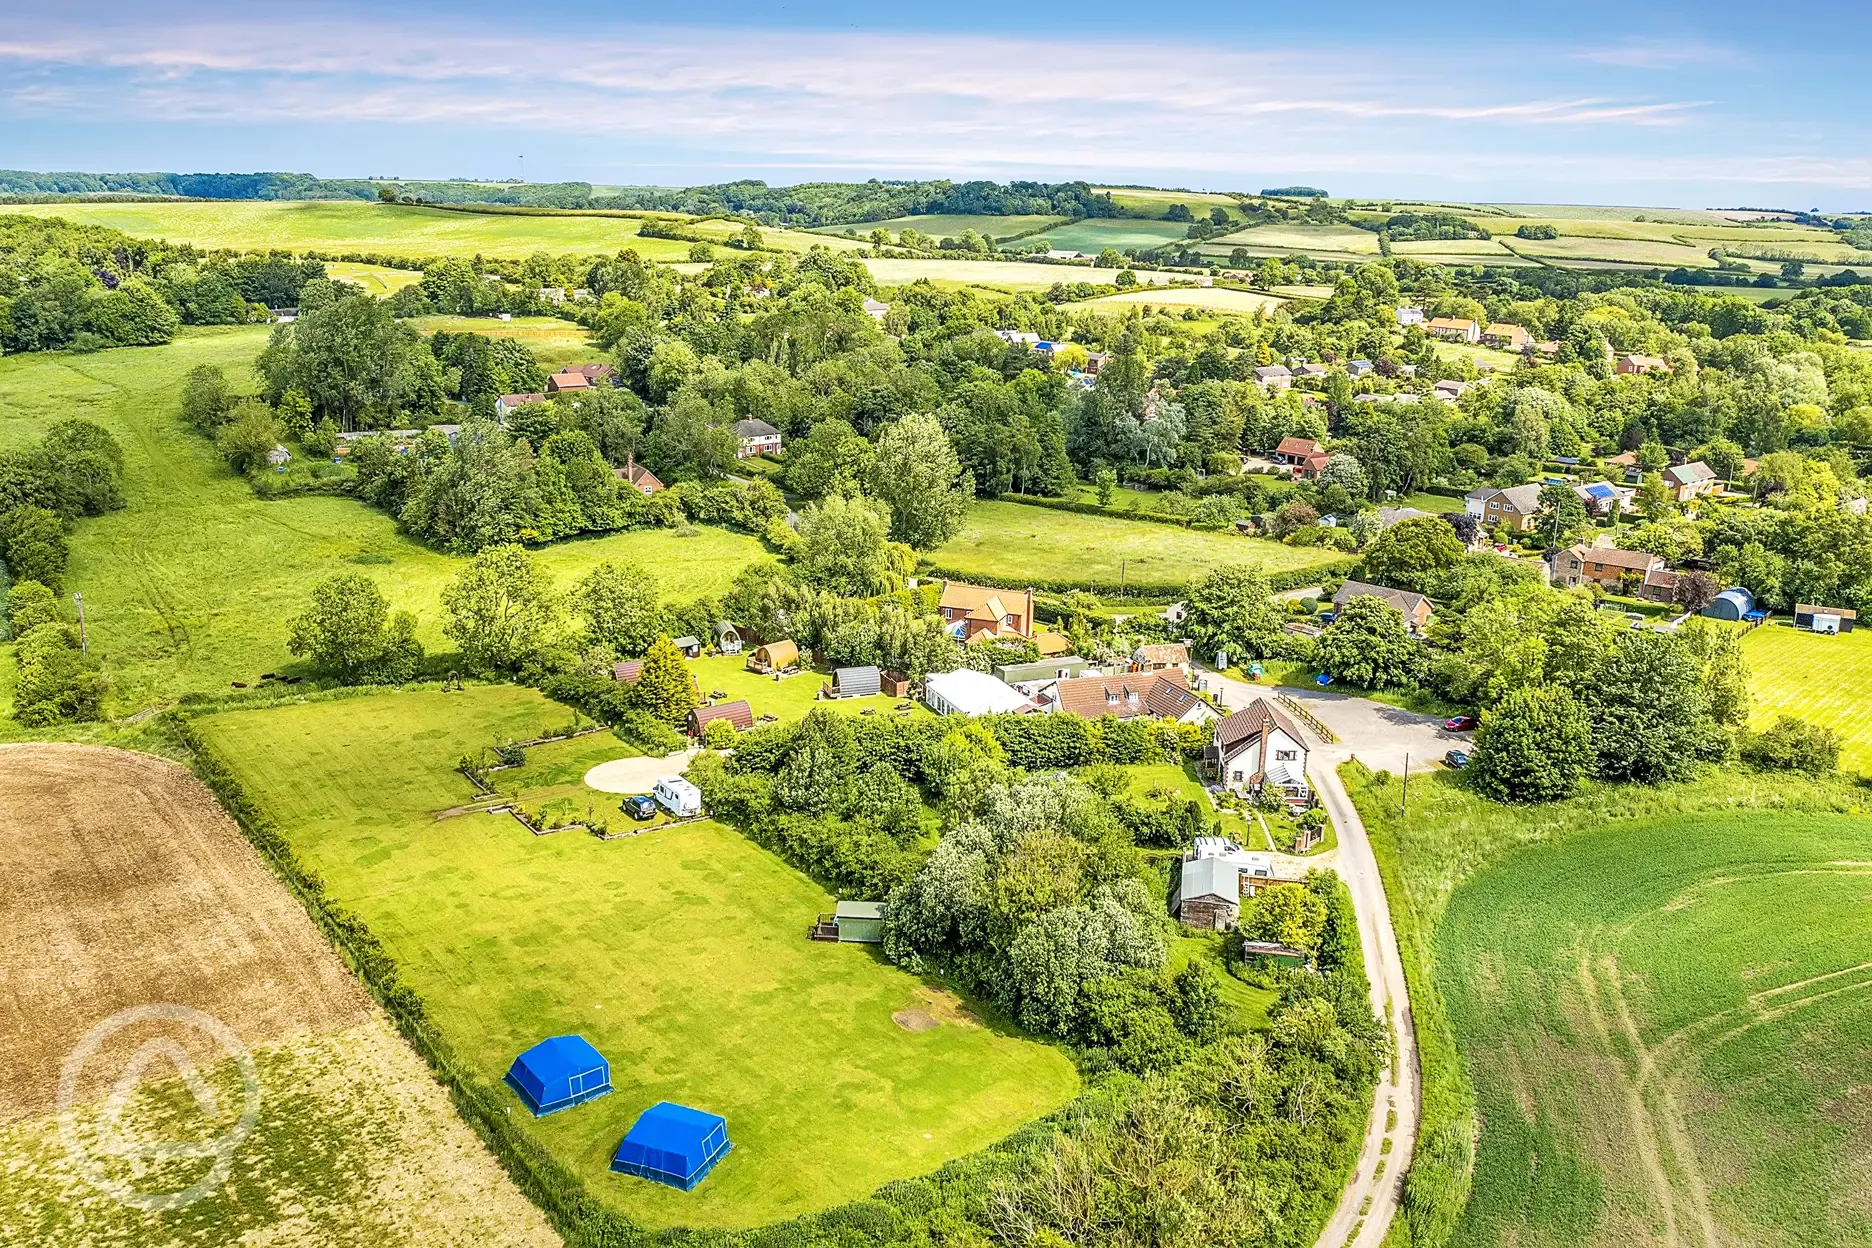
(125, 885)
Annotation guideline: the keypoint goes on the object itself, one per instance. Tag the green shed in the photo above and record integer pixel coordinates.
(860, 922)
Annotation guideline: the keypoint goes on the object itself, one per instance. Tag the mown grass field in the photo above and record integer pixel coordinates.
(1824, 680)
(681, 953)
(1207, 298)
(191, 585)
(1667, 1028)
(947, 225)
(555, 343)
(1281, 240)
(1627, 868)
(377, 280)
(1094, 234)
(1013, 541)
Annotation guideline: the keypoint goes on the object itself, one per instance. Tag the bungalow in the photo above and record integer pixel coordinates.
(1154, 695)
(969, 611)
(1507, 335)
(756, 437)
(1454, 329)
(1388, 516)
(1304, 369)
(1295, 451)
(1817, 619)
(569, 382)
(595, 373)
(1600, 497)
(1409, 314)
(1256, 747)
(507, 404)
(971, 693)
(855, 682)
(1515, 506)
(1686, 481)
(1649, 576)
(737, 713)
(1358, 368)
(1164, 656)
(1017, 337)
(637, 475)
(1037, 679)
(1415, 607)
(774, 657)
(1273, 377)
(1631, 365)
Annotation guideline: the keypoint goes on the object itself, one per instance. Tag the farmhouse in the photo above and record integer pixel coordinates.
(1163, 656)
(1259, 746)
(775, 656)
(969, 692)
(737, 713)
(1647, 574)
(1506, 335)
(1153, 695)
(1515, 506)
(1416, 607)
(1815, 619)
(969, 611)
(1687, 481)
(571, 382)
(855, 682)
(756, 437)
(1454, 329)
(637, 475)
(506, 404)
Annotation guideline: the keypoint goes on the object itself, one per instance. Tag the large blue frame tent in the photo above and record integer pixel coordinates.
(673, 1145)
(559, 1073)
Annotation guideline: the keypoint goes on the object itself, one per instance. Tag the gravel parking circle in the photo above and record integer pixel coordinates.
(635, 775)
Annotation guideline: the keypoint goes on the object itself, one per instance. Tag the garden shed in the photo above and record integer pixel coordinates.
(859, 922)
(673, 1145)
(856, 682)
(691, 647)
(558, 1073)
(1731, 604)
(775, 656)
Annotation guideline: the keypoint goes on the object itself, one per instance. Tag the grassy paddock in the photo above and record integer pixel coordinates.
(1207, 298)
(1008, 274)
(555, 343)
(377, 280)
(190, 586)
(948, 225)
(1094, 234)
(1010, 540)
(1824, 680)
(680, 953)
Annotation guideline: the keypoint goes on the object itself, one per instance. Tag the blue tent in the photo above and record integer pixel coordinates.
(673, 1145)
(559, 1073)
(1731, 604)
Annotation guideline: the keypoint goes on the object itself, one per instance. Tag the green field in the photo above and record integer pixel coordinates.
(1094, 234)
(1014, 541)
(1156, 201)
(1207, 298)
(1005, 274)
(190, 586)
(681, 953)
(1281, 240)
(1667, 1028)
(947, 225)
(788, 698)
(1824, 680)
(377, 280)
(555, 343)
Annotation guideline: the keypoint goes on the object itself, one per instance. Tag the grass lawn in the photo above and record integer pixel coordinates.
(1665, 908)
(787, 698)
(1208, 298)
(1430, 502)
(1016, 540)
(1824, 680)
(553, 342)
(190, 586)
(680, 953)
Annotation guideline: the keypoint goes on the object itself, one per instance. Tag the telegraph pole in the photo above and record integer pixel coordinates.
(84, 645)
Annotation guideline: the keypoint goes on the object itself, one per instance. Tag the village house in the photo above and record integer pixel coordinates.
(1293, 452)
(1630, 365)
(1409, 314)
(1646, 575)
(1515, 506)
(568, 382)
(507, 404)
(876, 309)
(755, 437)
(969, 611)
(1161, 657)
(596, 374)
(1508, 336)
(1358, 368)
(1449, 389)
(1415, 607)
(1273, 377)
(1154, 695)
(1600, 497)
(1305, 369)
(1687, 481)
(1454, 329)
(1259, 746)
(637, 475)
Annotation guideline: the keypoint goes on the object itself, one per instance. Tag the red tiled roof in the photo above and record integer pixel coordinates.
(1251, 721)
(1161, 694)
(1298, 446)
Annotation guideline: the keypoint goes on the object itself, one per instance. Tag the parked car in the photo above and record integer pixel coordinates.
(1456, 760)
(639, 807)
(1461, 723)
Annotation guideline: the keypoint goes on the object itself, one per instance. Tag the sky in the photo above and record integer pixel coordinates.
(1660, 103)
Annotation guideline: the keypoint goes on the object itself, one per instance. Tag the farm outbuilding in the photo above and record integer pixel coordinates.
(738, 713)
(558, 1073)
(1817, 619)
(1731, 604)
(856, 682)
(775, 656)
(673, 1145)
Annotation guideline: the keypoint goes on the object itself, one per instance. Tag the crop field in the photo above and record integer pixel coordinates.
(1153, 200)
(1006, 274)
(1666, 1026)
(555, 343)
(1281, 240)
(1824, 680)
(125, 884)
(948, 225)
(680, 953)
(1094, 234)
(1210, 298)
(1010, 541)
(189, 586)
(377, 280)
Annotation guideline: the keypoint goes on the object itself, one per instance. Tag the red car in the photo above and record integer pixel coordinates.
(1460, 723)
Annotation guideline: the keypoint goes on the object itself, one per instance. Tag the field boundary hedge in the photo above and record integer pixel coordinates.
(1093, 509)
(1165, 591)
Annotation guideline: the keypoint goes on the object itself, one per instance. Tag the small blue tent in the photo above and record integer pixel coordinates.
(559, 1073)
(673, 1145)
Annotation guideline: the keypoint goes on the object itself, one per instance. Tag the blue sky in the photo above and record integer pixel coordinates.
(1592, 102)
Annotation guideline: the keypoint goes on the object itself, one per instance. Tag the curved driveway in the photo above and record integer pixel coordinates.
(1384, 738)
